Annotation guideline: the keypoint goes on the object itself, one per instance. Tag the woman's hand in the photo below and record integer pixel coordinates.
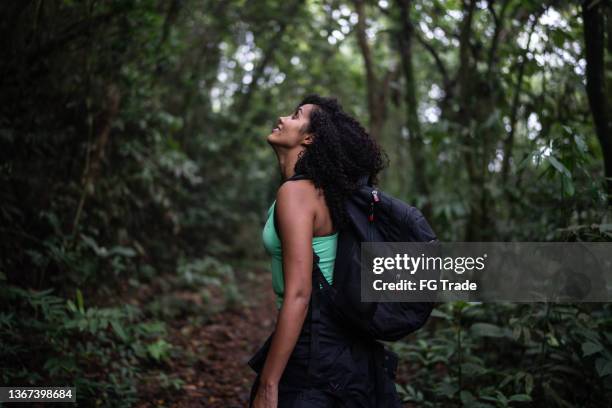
(266, 397)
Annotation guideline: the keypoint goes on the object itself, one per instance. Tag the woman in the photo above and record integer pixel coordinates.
(322, 153)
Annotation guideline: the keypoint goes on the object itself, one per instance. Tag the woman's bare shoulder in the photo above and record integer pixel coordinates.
(301, 192)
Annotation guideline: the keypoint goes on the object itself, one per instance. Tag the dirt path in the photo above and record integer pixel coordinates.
(212, 358)
(220, 376)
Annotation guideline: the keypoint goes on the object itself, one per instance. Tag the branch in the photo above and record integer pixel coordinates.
(496, 34)
(508, 143)
(171, 16)
(363, 42)
(290, 13)
(436, 57)
(103, 124)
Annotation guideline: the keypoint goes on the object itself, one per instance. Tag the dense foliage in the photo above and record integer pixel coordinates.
(134, 168)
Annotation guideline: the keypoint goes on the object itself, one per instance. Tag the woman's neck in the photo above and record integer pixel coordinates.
(286, 163)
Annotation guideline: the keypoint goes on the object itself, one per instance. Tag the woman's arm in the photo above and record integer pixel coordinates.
(295, 211)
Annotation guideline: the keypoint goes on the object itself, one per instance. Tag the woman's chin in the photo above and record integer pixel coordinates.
(272, 137)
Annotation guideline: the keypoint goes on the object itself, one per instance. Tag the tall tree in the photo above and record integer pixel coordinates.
(377, 88)
(405, 37)
(596, 15)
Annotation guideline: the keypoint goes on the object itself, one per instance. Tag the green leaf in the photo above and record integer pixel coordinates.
(440, 314)
(80, 302)
(507, 380)
(471, 369)
(123, 251)
(589, 348)
(520, 398)
(528, 383)
(501, 398)
(603, 366)
(559, 166)
(90, 242)
(446, 389)
(516, 332)
(467, 398)
(580, 143)
(119, 330)
(159, 349)
(71, 306)
(552, 340)
(568, 186)
(486, 330)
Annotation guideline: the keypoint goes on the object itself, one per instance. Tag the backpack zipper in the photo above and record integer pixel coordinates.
(375, 199)
(375, 195)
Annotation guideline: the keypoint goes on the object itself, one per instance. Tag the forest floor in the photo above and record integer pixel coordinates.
(211, 362)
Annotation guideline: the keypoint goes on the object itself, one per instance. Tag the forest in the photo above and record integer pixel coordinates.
(135, 178)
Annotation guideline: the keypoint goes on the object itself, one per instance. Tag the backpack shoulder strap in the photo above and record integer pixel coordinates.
(297, 176)
(362, 180)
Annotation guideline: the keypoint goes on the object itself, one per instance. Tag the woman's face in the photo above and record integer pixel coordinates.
(288, 130)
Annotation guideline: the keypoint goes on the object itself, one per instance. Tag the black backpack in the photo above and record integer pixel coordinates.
(374, 217)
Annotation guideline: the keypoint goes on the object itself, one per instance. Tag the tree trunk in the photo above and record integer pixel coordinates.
(95, 154)
(376, 89)
(599, 100)
(419, 174)
(509, 141)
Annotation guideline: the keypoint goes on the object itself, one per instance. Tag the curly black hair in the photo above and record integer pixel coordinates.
(342, 151)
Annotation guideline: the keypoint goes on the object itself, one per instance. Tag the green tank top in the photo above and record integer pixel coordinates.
(324, 247)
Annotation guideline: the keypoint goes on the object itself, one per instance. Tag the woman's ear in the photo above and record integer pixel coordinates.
(308, 139)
